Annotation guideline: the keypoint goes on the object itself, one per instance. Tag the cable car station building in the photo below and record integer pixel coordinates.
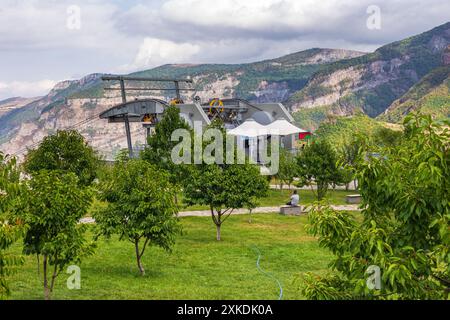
(233, 112)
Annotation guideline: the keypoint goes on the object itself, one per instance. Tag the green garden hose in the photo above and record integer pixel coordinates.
(280, 297)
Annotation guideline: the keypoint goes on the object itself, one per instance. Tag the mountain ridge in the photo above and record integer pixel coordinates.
(72, 101)
(370, 83)
(314, 83)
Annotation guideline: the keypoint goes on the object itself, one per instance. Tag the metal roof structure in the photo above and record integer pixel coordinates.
(135, 110)
(233, 112)
(148, 111)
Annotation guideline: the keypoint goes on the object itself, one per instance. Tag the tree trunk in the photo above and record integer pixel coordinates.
(347, 186)
(217, 221)
(38, 266)
(54, 275)
(322, 189)
(138, 258)
(218, 232)
(355, 184)
(47, 293)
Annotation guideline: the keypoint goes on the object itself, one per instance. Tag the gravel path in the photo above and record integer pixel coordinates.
(292, 187)
(207, 213)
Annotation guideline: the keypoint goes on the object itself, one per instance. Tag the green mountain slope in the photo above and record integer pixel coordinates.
(430, 96)
(342, 130)
(372, 82)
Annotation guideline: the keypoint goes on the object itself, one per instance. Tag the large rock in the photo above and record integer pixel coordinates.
(291, 210)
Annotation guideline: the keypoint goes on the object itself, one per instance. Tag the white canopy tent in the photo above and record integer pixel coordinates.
(282, 127)
(250, 128)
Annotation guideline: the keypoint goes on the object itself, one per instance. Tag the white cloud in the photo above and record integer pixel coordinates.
(234, 31)
(155, 52)
(45, 25)
(341, 20)
(256, 15)
(26, 89)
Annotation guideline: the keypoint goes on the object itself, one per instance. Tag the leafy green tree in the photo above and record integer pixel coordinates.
(318, 163)
(387, 137)
(141, 207)
(350, 155)
(287, 168)
(66, 151)
(9, 233)
(160, 146)
(225, 187)
(405, 229)
(10, 229)
(51, 208)
(122, 156)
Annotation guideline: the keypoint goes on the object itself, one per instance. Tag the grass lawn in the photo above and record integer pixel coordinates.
(278, 198)
(198, 268)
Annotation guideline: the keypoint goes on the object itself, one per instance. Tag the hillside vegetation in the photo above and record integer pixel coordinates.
(341, 130)
(372, 82)
(430, 96)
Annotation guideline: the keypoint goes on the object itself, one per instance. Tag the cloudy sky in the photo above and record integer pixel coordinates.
(46, 41)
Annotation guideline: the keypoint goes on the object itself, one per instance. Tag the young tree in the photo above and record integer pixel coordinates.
(160, 146)
(9, 233)
(141, 207)
(51, 208)
(224, 187)
(66, 151)
(10, 229)
(349, 157)
(287, 168)
(405, 228)
(318, 163)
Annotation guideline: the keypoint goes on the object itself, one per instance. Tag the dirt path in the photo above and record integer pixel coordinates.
(204, 213)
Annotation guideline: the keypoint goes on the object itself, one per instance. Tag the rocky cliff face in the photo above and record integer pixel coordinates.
(431, 95)
(11, 104)
(372, 82)
(104, 137)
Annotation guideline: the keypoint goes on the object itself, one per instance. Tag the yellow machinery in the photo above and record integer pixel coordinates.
(176, 101)
(149, 118)
(216, 106)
